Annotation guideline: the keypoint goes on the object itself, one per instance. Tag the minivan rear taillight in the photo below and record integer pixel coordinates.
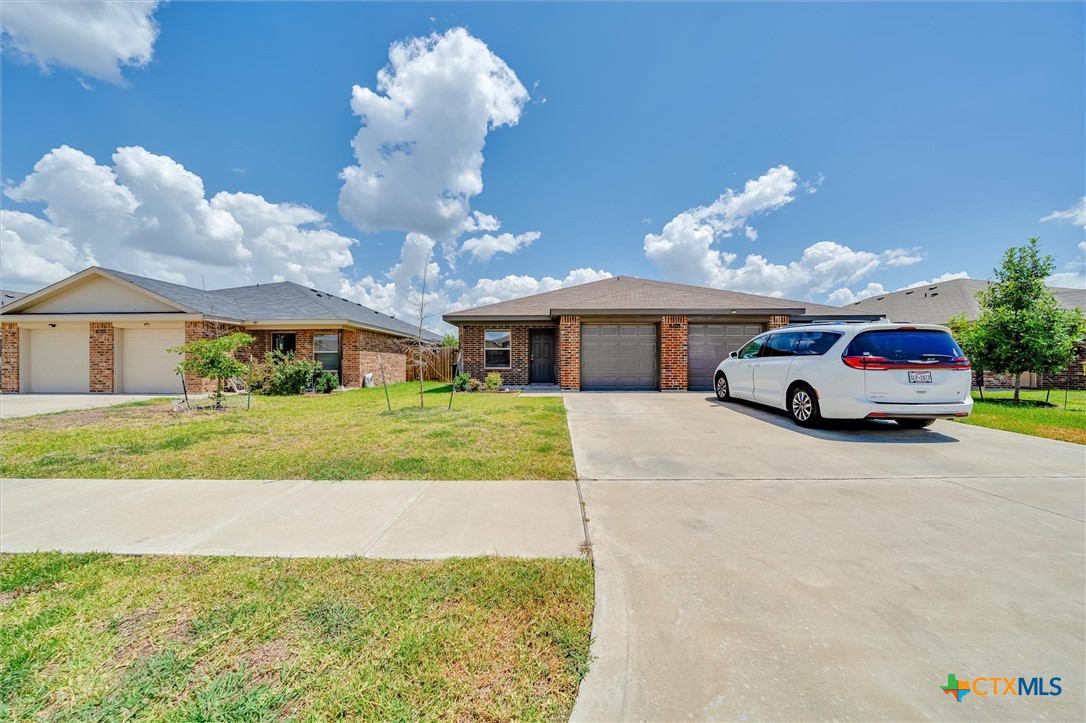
(866, 362)
(880, 363)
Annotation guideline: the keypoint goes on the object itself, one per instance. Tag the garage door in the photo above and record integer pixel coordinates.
(59, 360)
(146, 366)
(710, 344)
(619, 356)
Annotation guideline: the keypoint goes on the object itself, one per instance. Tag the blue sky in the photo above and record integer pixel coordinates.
(868, 146)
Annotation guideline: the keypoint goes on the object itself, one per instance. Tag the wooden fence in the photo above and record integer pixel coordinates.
(437, 364)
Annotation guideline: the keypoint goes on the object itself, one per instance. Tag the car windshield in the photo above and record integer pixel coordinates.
(905, 345)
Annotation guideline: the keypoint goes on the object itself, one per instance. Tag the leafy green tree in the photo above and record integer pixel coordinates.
(450, 340)
(213, 359)
(1022, 328)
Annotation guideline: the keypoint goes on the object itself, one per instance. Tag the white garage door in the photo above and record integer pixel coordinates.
(59, 360)
(146, 366)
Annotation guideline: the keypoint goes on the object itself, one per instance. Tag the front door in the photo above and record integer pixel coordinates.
(542, 351)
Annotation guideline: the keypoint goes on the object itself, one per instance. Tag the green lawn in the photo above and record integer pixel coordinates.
(104, 638)
(348, 435)
(1068, 424)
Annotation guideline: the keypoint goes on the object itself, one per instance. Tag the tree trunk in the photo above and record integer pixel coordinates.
(1017, 387)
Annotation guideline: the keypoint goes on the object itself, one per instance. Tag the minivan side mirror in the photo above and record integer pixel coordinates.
(734, 355)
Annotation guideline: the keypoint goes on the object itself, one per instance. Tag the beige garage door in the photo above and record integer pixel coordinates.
(146, 366)
(59, 360)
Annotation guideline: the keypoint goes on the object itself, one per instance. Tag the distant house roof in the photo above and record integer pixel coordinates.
(280, 301)
(939, 303)
(6, 297)
(627, 295)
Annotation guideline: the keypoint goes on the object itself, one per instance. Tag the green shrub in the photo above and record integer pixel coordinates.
(461, 382)
(290, 375)
(493, 381)
(327, 382)
(260, 377)
(475, 385)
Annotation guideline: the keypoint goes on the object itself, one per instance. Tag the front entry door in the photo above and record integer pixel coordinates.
(542, 351)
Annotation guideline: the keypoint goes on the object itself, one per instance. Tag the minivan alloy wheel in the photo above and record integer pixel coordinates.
(721, 387)
(801, 405)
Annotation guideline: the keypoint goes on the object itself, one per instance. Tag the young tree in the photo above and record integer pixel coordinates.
(422, 349)
(450, 340)
(1022, 327)
(213, 359)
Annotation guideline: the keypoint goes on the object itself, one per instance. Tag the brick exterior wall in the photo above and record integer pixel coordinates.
(673, 353)
(1070, 378)
(102, 335)
(210, 330)
(9, 364)
(520, 352)
(569, 352)
(777, 321)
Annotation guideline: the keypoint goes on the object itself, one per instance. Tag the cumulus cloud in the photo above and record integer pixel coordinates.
(950, 276)
(1075, 276)
(482, 248)
(96, 38)
(685, 250)
(1076, 215)
(845, 296)
(149, 215)
(420, 148)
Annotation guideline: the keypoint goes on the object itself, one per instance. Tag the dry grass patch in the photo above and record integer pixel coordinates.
(99, 637)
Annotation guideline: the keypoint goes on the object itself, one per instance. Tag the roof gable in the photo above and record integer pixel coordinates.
(94, 291)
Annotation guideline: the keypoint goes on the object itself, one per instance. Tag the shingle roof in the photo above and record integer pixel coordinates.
(6, 297)
(939, 303)
(628, 294)
(284, 300)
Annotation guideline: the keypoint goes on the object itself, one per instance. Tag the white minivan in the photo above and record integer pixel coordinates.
(911, 373)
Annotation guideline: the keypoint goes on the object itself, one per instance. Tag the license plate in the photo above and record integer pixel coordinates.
(919, 377)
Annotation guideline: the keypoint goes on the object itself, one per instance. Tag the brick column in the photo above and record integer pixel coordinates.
(777, 321)
(673, 354)
(101, 356)
(351, 360)
(9, 365)
(569, 352)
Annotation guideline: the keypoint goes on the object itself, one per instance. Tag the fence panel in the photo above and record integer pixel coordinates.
(437, 364)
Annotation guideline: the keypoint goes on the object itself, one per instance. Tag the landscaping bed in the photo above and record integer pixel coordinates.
(106, 637)
(347, 435)
(1032, 415)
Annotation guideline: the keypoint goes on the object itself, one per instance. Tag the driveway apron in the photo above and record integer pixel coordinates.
(748, 569)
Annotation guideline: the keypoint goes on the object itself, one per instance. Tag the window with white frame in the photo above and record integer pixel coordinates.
(497, 349)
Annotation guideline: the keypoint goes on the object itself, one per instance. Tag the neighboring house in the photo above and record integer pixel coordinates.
(939, 303)
(109, 331)
(6, 297)
(622, 333)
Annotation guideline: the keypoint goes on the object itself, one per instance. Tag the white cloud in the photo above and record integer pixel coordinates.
(420, 148)
(845, 296)
(97, 39)
(148, 215)
(685, 250)
(482, 248)
(1075, 278)
(950, 276)
(1076, 215)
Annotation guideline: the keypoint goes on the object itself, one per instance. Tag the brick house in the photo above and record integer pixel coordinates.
(939, 303)
(108, 331)
(622, 333)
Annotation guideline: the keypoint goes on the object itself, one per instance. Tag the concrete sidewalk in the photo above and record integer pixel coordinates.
(292, 518)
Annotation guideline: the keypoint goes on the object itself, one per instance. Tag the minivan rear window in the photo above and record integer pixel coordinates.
(902, 345)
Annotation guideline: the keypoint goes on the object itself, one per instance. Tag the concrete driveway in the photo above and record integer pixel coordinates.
(25, 405)
(747, 569)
